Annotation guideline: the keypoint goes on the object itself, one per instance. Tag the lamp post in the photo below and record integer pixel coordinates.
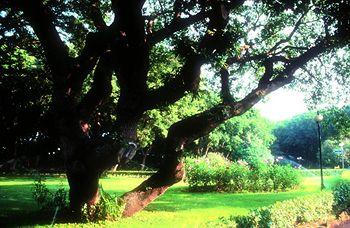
(318, 119)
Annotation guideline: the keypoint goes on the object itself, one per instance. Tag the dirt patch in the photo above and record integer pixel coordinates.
(342, 222)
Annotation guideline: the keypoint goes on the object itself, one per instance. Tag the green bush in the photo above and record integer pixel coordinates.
(206, 173)
(216, 173)
(286, 213)
(239, 177)
(259, 178)
(283, 177)
(341, 193)
(46, 199)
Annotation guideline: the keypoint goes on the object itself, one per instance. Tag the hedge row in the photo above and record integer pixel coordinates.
(215, 173)
(316, 172)
(313, 208)
(137, 173)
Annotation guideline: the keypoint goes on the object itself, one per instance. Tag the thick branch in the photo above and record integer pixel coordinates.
(225, 86)
(179, 134)
(95, 45)
(268, 64)
(101, 87)
(130, 19)
(131, 54)
(201, 124)
(176, 25)
(196, 126)
(186, 80)
(96, 15)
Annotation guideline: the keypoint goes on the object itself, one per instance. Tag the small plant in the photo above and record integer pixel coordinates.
(341, 193)
(46, 199)
(40, 192)
(108, 208)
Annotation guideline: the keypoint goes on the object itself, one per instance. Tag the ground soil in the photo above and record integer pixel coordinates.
(342, 222)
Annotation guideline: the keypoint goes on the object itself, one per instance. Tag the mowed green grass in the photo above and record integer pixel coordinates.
(176, 208)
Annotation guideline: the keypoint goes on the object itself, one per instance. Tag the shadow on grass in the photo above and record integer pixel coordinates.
(34, 218)
(18, 208)
(18, 219)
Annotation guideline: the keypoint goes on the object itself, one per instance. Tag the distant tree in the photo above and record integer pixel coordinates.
(255, 47)
(298, 136)
(330, 158)
(339, 119)
(25, 90)
(247, 137)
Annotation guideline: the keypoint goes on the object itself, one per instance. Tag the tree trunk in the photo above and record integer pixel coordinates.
(13, 151)
(83, 176)
(84, 188)
(170, 172)
(152, 188)
(86, 159)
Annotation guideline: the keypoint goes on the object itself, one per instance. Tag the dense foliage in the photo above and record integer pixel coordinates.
(216, 173)
(247, 137)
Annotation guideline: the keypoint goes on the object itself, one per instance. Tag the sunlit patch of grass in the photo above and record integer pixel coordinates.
(177, 207)
(346, 175)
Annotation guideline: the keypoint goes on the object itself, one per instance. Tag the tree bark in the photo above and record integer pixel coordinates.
(83, 178)
(84, 188)
(152, 188)
(170, 172)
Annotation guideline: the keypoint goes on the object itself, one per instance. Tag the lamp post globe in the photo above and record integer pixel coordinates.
(318, 118)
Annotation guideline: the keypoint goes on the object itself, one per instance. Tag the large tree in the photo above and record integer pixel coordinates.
(255, 47)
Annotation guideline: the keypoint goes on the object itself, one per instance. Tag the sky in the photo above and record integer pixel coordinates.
(282, 104)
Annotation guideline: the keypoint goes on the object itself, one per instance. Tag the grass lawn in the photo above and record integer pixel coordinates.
(176, 208)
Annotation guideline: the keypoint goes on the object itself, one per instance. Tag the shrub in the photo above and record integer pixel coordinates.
(341, 193)
(239, 177)
(286, 213)
(259, 179)
(206, 173)
(284, 177)
(46, 199)
(216, 173)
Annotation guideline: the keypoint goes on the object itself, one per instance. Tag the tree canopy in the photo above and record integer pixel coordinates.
(93, 52)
